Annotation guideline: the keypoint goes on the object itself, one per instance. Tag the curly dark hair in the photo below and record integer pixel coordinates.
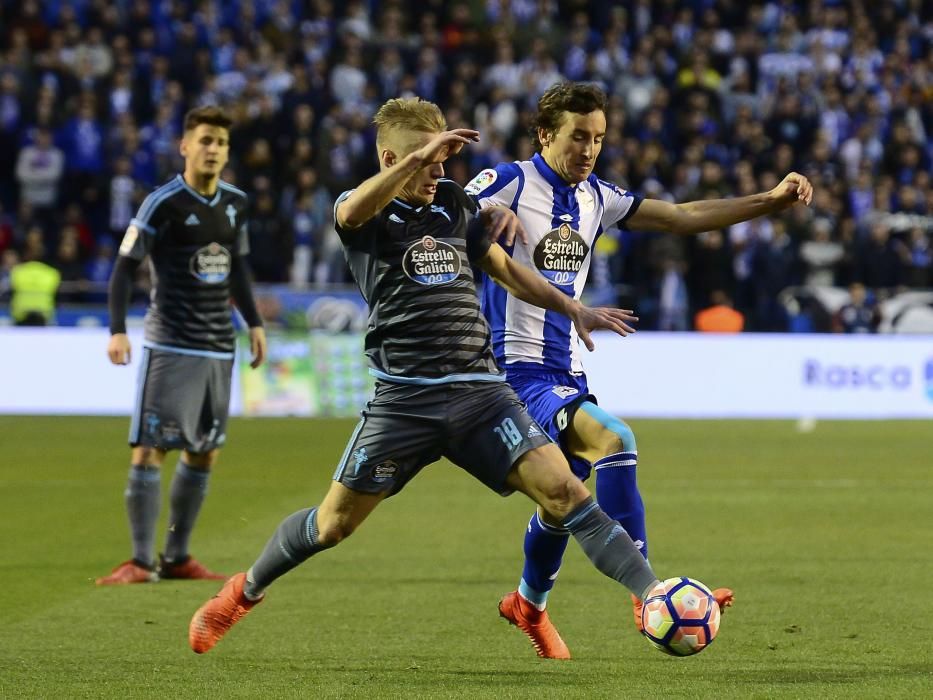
(579, 98)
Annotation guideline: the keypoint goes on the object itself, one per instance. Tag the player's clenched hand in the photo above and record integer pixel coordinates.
(586, 319)
(257, 345)
(502, 222)
(792, 189)
(118, 349)
(445, 144)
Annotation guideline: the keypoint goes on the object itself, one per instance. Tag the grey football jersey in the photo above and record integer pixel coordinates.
(412, 268)
(191, 242)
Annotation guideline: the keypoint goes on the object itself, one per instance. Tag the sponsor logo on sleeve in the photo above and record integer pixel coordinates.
(129, 240)
(481, 181)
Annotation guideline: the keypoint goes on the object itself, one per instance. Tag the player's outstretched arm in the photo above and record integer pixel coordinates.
(712, 214)
(374, 194)
(529, 286)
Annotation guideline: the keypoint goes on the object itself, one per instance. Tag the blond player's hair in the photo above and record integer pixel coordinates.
(400, 116)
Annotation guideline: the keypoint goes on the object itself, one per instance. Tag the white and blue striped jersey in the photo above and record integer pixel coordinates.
(562, 223)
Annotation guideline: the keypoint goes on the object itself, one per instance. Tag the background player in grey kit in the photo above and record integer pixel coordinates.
(409, 236)
(193, 230)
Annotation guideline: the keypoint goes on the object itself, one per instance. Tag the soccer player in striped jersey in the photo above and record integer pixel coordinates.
(193, 230)
(564, 208)
(410, 237)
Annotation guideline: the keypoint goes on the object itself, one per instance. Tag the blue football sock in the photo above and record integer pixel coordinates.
(544, 551)
(617, 494)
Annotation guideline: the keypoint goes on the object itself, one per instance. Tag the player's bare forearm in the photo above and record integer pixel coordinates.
(374, 194)
(524, 283)
(712, 214)
(529, 286)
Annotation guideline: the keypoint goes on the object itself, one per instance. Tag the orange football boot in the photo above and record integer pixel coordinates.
(212, 620)
(535, 624)
(130, 571)
(189, 568)
(723, 596)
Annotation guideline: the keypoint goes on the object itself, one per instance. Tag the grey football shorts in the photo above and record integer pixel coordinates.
(482, 427)
(182, 401)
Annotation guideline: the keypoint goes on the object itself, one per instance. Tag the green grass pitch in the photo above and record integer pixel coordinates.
(826, 537)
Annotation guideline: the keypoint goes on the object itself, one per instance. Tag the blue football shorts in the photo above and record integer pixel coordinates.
(552, 399)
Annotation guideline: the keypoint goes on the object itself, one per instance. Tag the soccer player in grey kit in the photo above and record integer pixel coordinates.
(409, 237)
(193, 230)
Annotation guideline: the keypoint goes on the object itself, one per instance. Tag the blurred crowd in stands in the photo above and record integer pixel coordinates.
(709, 98)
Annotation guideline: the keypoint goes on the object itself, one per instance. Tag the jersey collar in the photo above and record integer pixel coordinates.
(197, 195)
(545, 170)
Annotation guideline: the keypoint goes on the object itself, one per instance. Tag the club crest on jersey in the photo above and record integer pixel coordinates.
(481, 181)
(560, 254)
(430, 261)
(211, 264)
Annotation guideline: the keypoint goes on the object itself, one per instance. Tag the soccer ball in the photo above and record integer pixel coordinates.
(680, 616)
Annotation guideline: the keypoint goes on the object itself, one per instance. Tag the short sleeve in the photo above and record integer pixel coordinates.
(464, 202)
(618, 204)
(143, 230)
(500, 185)
(353, 236)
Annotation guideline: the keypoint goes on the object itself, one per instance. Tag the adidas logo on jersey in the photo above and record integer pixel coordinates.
(192, 220)
(395, 219)
(533, 431)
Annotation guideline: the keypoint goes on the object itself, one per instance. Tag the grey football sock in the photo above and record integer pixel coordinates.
(294, 541)
(609, 547)
(189, 486)
(143, 497)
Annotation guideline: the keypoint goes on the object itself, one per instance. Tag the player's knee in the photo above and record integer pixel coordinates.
(203, 460)
(617, 437)
(149, 456)
(562, 495)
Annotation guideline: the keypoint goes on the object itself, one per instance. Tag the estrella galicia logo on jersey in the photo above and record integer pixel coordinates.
(386, 470)
(481, 181)
(430, 261)
(211, 264)
(560, 254)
